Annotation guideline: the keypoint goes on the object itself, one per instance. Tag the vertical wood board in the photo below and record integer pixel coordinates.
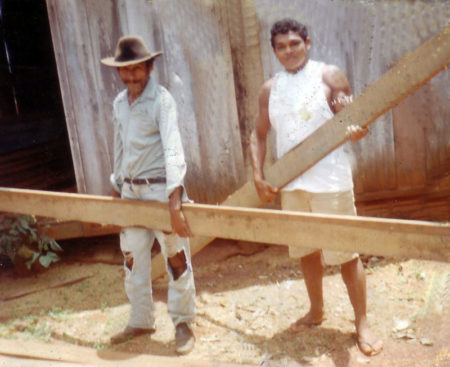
(199, 73)
(196, 68)
(88, 128)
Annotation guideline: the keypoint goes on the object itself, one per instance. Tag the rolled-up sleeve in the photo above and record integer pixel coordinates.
(171, 141)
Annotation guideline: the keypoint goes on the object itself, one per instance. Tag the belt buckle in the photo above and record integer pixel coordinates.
(146, 180)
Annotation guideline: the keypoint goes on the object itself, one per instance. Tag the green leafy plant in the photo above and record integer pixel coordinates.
(21, 241)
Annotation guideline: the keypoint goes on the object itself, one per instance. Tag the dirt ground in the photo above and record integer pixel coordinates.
(247, 296)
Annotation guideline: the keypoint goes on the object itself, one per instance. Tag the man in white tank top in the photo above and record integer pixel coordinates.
(295, 102)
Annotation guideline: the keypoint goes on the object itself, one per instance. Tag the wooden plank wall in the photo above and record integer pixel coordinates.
(406, 154)
(199, 72)
(196, 67)
(243, 30)
(74, 26)
(216, 55)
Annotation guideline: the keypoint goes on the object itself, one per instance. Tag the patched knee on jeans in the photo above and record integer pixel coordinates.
(128, 260)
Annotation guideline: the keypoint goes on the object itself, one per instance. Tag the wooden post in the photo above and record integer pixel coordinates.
(243, 30)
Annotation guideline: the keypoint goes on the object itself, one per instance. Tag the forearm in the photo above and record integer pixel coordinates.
(258, 148)
(177, 219)
(175, 199)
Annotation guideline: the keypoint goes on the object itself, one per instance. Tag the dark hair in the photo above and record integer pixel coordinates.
(284, 26)
(150, 62)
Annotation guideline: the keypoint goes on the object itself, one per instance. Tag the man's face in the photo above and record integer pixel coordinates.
(135, 77)
(291, 50)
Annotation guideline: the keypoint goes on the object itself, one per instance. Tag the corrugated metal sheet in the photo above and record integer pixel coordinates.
(409, 147)
(209, 47)
(196, 67)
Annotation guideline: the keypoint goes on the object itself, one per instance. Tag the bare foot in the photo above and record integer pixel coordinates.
(368, 343)
(306, 322)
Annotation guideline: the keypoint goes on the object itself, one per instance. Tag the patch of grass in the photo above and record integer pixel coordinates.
(105, 305)
(32, 319)
(39, 331)
(58, 313)
(99, 346)
(55, 311)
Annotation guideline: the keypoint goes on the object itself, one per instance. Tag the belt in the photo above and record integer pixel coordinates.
(144, 181)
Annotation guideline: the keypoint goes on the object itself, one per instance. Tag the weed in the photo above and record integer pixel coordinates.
(32, 319)
(99, 346)
(58, 313)
(82, 287)
(39, 330)
(27, 248)
(104, 305)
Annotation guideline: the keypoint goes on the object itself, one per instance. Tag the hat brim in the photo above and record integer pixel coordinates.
(110, 61)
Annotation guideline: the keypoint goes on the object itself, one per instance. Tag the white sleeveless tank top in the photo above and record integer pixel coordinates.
(297, 107)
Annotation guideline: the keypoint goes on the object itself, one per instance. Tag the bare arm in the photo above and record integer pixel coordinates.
(339, 95)
(177, 219)
(258, 146)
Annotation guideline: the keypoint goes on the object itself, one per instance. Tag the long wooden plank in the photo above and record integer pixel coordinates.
(384, 237)
(409, 74)
(91, 357)
(7, 361)
(62, 230)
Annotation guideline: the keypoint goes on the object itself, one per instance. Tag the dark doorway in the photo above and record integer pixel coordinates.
(34, 147)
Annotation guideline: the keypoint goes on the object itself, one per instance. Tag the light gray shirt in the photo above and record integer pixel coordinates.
(147, 142)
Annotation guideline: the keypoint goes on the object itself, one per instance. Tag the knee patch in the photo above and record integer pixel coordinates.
(177, 264)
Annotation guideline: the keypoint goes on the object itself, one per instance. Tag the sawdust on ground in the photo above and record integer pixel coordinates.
(247, 296)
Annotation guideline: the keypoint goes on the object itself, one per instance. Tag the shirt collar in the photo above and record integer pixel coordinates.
(149, 90)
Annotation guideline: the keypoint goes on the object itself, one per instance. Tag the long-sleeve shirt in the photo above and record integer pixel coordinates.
(147, 142)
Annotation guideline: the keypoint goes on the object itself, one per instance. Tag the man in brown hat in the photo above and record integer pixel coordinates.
(149, 165)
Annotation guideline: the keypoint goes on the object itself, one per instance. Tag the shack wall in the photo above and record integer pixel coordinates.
(406, 153)
(196, 68)
(216, 56)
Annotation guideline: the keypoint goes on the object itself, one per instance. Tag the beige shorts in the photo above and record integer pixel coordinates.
(325, 203)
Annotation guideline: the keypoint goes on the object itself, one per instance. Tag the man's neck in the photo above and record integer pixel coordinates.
(132, 97)
(301, 67)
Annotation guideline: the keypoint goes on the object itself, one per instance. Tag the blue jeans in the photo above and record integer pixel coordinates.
(136, 245)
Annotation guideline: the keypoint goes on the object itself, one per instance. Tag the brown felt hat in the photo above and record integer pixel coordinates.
(130, 50)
